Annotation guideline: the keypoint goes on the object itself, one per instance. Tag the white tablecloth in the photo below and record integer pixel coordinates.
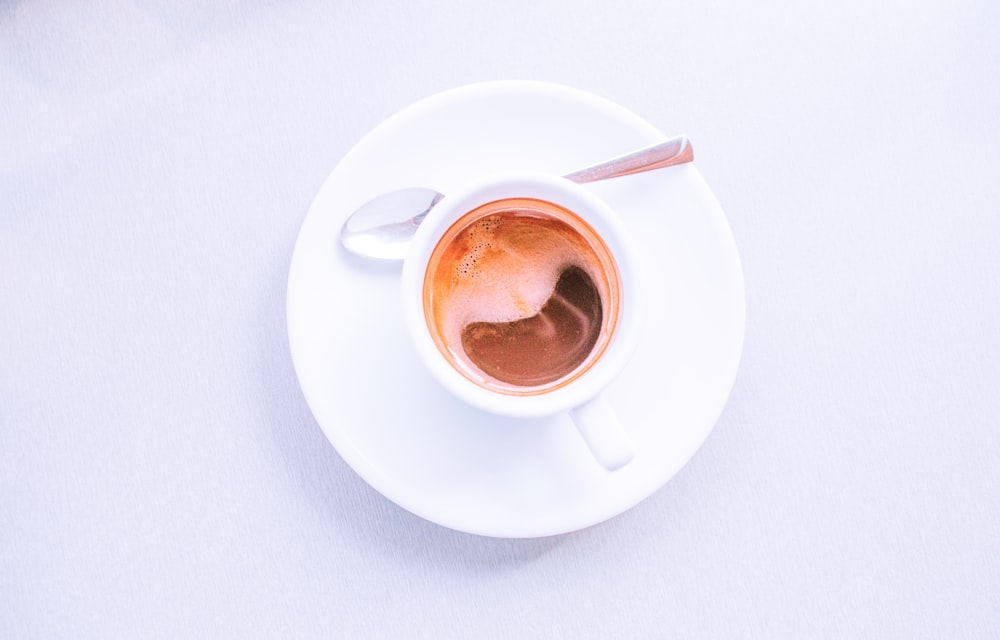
(162, 476)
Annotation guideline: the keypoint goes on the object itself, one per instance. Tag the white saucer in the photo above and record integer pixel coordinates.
(457, 466)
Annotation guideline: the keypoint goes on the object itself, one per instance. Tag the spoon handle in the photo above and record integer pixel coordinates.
(666, 154)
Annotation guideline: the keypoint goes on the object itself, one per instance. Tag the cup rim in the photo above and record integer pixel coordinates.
(583, 203)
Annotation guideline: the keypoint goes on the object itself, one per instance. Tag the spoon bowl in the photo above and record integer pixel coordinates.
(383, 227)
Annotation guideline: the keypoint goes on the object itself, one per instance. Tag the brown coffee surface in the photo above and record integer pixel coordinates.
(546, 346)
(517, 295)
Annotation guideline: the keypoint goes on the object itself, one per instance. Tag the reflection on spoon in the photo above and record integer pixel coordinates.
(383, 226)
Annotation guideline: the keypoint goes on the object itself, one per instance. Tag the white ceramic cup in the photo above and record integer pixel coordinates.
(581, 393)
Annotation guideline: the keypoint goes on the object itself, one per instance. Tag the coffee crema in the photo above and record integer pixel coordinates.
(521, 295)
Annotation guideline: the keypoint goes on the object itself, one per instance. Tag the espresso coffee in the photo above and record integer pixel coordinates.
(521, 295)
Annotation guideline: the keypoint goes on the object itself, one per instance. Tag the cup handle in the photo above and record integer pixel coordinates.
(603, 432)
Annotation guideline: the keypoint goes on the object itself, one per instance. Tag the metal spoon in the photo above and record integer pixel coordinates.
(383, 226)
